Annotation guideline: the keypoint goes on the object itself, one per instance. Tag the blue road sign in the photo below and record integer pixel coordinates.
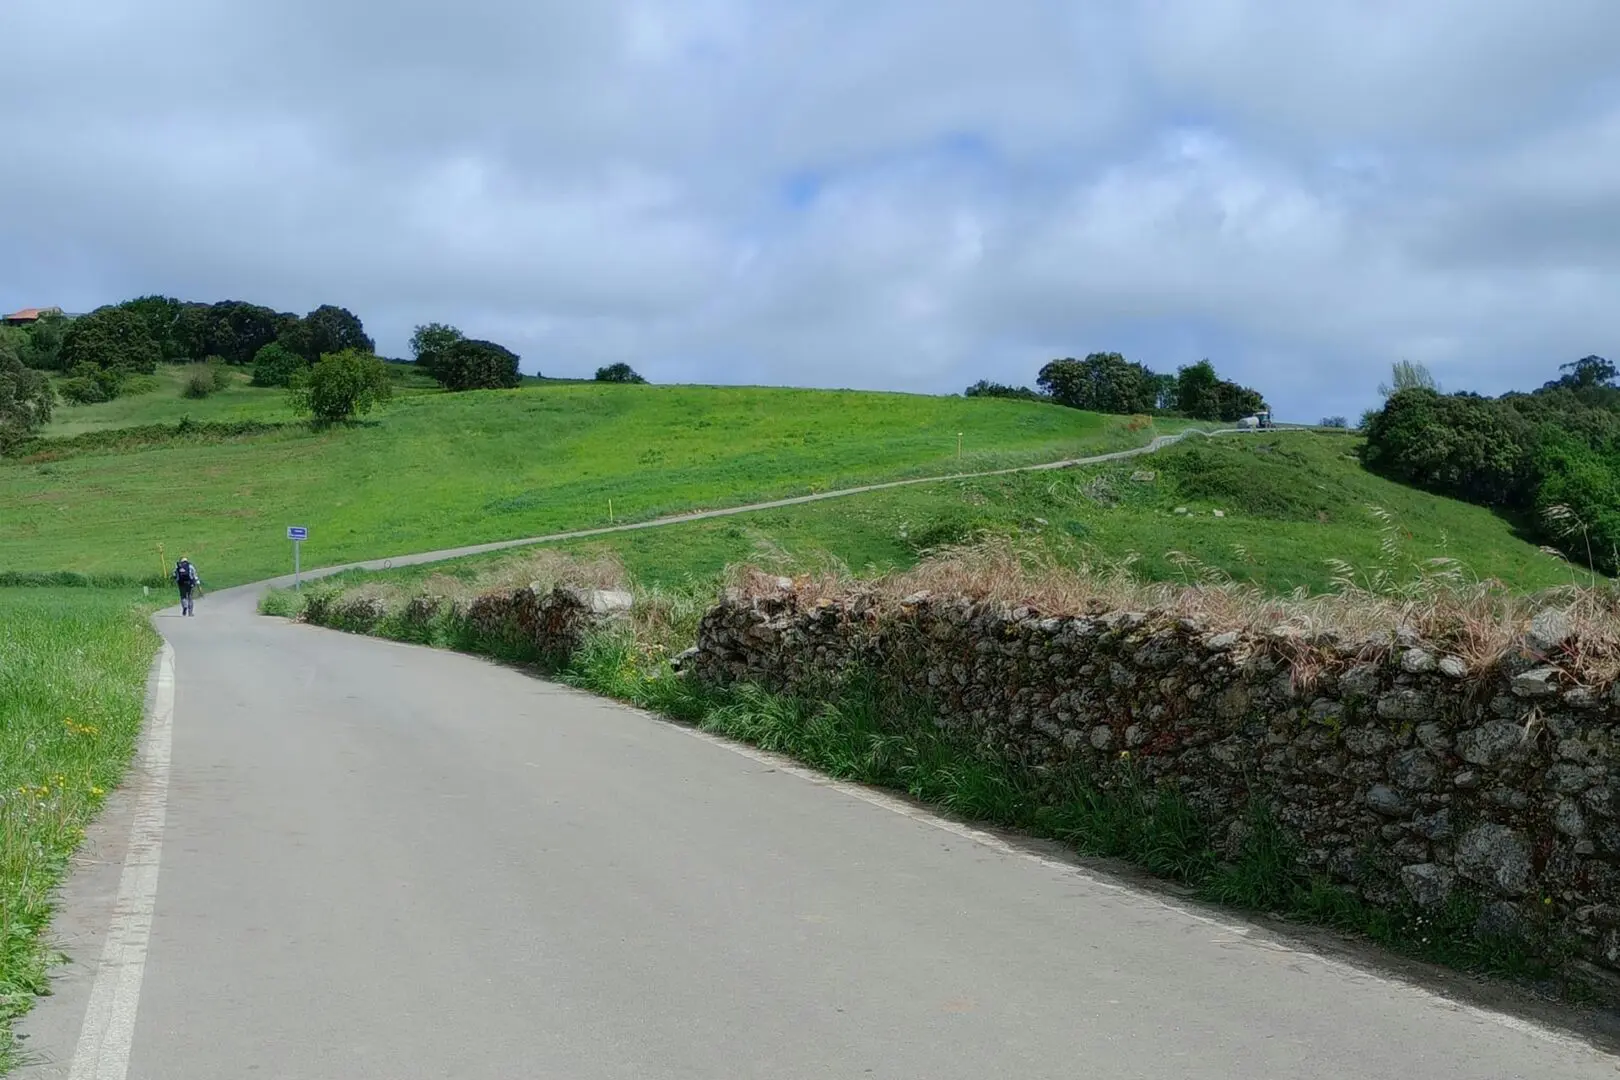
(297, 532)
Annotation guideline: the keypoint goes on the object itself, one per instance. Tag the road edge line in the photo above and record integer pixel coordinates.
(108, 1033)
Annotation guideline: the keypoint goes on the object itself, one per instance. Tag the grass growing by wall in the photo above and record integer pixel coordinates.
(73, 669)
(866, 733)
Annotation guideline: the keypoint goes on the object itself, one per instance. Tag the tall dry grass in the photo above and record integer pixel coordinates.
(1369, 611)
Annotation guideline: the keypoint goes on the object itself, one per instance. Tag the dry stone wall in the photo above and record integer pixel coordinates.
(1404, 775)
(533, 622)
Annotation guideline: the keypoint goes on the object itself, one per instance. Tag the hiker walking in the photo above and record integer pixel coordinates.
(185, 576)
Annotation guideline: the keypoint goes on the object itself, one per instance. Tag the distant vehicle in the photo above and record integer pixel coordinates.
(1256, 422)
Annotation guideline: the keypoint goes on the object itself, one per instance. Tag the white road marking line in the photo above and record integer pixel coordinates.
(109, 1019)
(996, 843)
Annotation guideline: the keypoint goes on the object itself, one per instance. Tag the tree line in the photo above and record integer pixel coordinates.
(1109, 383)
(1548, 457)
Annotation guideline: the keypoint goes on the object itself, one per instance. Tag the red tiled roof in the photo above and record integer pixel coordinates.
(28, 314)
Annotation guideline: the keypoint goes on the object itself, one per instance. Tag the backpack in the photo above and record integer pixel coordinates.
(185, 573)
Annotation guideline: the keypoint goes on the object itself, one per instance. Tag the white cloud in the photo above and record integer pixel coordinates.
(909, 195)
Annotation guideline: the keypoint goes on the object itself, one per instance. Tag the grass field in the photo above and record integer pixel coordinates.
(159, 399)
(438, 470)
(1290, 502)
(73, 666)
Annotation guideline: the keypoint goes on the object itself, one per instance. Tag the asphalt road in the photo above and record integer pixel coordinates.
(342, 858)
(384, 861)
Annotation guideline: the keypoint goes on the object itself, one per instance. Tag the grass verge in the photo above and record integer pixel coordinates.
(73, 670)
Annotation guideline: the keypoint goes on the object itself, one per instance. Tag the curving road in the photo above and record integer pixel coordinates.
(343, 858)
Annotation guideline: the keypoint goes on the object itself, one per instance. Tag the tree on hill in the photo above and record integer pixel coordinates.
(275, 365)
(42, 346)
(1234, 402)
(1201, 394)
(1196, 391)
(162, 317)
(233, 330)
(332, 329)
(26, 397)
(1334, 422)
(1102, 382)
(1408, 375)
(110, 339)
(239, 330)
(430, 341)
(472, 364)
(1549, 457)
(13, 344)
(618, 373)
(986, 388)
(340, 386)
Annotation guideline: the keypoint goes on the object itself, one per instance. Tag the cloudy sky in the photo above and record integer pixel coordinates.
(899, 194)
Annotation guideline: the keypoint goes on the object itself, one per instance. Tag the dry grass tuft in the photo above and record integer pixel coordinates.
(551, 567)
(1368, 614)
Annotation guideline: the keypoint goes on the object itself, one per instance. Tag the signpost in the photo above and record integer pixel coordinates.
(297, 534)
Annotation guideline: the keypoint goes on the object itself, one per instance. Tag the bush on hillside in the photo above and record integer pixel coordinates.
(1102, 382)
(89, 385)
(205, 379)
(161, 314)
(44, 348)
(275, 365)
(1261, 480)
(26, 398)
(13, 345)
(330, 329)
(111, 339)
(986, 388)
(340, 386)
(471, 364)
(81, 391)
(618, 373)
(1202, 394)
(1468, 447)
(1550, 457)
(430, 342)
(1109, 383)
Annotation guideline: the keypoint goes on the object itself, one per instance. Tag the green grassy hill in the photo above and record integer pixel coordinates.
(159, 399)
(1289, 502)
(437, 470)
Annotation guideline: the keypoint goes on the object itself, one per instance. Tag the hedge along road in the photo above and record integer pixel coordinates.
(343, 857)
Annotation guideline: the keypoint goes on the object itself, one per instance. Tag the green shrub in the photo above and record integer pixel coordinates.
(275, 365)
(111, 338)
(471, 364)
(26, 399)
(618, 373)
(1260, 484)
(947, 528)
(201, 381)
(340, 386)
